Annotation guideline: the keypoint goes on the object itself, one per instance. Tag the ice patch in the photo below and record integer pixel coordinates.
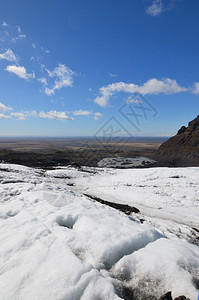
(124, 163)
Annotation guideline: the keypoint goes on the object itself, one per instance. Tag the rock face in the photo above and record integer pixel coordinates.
(183, 148)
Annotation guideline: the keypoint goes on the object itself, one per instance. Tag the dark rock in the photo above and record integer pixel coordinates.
(183, 148)
(122, 207)
(166, 296)
(142, 221)
(181, 298)
(182, 129)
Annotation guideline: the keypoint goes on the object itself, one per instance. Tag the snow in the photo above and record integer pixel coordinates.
(164, 265)
(57, 243)
(169, 193)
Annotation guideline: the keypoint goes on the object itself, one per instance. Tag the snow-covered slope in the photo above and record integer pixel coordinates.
(56, 243)
(169, 193)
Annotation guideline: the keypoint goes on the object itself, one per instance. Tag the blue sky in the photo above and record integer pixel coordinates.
(72, 67)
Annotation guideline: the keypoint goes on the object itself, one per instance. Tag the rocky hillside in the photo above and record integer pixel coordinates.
(183, 148)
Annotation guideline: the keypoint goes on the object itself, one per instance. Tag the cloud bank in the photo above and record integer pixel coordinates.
(151, 87)
(52, 115)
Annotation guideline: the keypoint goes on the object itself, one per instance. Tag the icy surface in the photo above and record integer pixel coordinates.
(56, 243)
(169, 193)
(124, 163)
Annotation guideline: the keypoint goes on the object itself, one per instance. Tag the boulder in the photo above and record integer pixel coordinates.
(166, 296)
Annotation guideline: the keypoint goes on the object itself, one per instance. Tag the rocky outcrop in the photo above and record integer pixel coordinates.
(183, 148)
(168, 296)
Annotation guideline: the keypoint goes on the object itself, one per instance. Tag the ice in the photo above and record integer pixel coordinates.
(124, 163)
(57, 243)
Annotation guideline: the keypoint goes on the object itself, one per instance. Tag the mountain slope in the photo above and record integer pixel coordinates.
(183, 148)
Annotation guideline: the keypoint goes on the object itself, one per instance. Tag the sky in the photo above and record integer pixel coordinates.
(91, 67)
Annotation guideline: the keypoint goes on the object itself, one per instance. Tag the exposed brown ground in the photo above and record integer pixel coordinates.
(27, 145)
(46, 152)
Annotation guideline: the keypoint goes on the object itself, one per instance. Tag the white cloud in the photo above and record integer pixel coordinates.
(112, 75)
(32, 113)
(42, 66)
(45, 50)
(55, 115)
(195, 89)
(20, 72)
(97, 115)
(2, 116)
(4, 24)
(22, 115)
(152, 86)
(52, 115)
(4, 108)
(22, 36)
(87, 113)
(11, 33)
(159, 6)
(19, 37)
(9, 55)
(155, 9)
(132, 99)
(43, 80)
(18, 29)
(36, 58)
(63, 78)
(19, 115)
(82, 113)
(165, 86)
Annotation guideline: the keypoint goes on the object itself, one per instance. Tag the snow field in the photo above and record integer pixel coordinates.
(57, 243)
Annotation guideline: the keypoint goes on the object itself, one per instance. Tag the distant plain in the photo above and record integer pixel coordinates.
(74, 150)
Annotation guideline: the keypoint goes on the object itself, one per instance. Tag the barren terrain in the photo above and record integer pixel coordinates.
(47, 152)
